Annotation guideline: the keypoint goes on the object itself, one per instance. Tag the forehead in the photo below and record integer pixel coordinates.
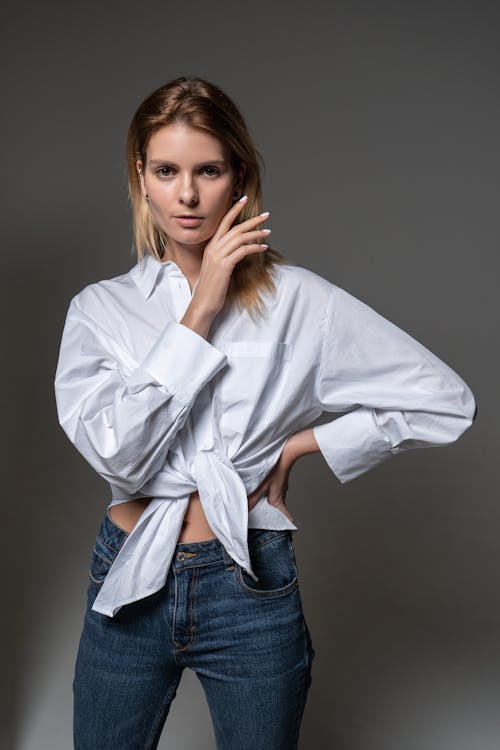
(179, 141)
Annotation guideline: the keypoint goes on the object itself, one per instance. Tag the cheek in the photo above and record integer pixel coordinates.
(218, 209)
(224, 204)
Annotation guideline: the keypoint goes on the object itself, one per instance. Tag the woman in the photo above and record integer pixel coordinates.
(190, 384)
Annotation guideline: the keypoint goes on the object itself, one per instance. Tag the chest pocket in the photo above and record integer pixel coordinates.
(251, 382)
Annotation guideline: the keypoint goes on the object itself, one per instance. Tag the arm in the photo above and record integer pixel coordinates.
(123, 422)
(398, 394)
(123, 418)
(299, 444)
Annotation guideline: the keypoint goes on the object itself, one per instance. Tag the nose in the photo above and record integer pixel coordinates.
(188, 194)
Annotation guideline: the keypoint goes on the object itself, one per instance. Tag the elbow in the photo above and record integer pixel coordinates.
(465, 416)
(469, 406)
(127, 475)
(124, 476)
(129, 484)
(462, 409)
(127, 466)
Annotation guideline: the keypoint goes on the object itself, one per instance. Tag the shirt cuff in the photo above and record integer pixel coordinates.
(352, 444)
(182, 360)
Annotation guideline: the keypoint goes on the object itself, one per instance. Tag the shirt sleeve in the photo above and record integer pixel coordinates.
(397, 394)
(123, 418)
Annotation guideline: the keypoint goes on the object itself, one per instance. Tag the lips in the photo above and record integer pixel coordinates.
(188, 220)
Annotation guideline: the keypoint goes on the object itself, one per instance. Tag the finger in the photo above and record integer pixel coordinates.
(237, 255)
(231, 243)
(250, 223)
(255, 496)
(230, 216)
(253, 503)
(245, 231)
(228, 230)
(283, 509)
(281, 506)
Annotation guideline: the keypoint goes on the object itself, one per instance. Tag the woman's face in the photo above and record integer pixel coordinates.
(187, 172)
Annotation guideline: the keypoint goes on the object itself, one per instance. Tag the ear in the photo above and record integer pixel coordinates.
(138, 166)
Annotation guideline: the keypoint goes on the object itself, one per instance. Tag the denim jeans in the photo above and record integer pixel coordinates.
(247, 641)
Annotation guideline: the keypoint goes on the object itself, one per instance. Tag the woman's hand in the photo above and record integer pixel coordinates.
(275, 485)
(224, 250)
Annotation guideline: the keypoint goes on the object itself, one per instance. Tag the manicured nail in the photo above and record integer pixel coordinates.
(243, 198)
(266, 213)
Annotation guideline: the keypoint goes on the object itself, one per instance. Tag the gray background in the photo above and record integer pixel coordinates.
(379, 123)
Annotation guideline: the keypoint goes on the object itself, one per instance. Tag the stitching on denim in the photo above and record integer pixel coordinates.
(101, 557)
(95, 554)
(196, 573)
(192, 618)
(201, 565)
(267, 541)
(176, 599)
(116, 526)
(301, 699)
(113, 549)
(93, 580)
(270, 593)
(267, 593)
(109, 562)
(151, 741)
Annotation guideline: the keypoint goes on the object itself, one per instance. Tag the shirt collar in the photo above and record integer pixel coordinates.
(146, 272)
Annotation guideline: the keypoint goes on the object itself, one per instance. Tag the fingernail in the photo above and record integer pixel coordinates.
(243, 198)
(266, 213)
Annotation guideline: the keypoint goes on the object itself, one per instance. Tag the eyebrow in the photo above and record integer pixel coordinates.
(165, 163)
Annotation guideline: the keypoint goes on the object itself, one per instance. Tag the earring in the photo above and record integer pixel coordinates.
(147, 196)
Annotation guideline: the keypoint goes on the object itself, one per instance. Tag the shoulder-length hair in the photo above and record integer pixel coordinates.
(200, 104)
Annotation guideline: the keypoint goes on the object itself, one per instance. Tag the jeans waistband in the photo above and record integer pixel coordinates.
(206, 552)
(189, 554)
(186, 554)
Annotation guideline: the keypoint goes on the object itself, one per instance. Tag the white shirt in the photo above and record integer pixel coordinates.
(159, 411)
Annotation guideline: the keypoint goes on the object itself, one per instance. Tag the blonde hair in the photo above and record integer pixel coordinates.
(200, 104)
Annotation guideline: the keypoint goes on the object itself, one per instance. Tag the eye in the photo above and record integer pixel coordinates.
(214, 170)
(163, 169)
(208, 169)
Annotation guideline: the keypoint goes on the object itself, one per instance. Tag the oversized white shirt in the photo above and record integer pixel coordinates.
(159, 411)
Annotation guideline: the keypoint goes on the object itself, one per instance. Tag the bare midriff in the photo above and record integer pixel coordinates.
(195, 527)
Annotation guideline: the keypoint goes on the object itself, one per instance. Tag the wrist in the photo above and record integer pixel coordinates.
(197, 319)
(299, 444)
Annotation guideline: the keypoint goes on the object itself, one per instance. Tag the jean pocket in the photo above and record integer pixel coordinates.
(273, 561)
(108, 542)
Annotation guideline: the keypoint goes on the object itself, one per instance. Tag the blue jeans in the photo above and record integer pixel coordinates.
(247, 641)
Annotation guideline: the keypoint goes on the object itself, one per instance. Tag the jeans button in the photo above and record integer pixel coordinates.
(181, 556)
